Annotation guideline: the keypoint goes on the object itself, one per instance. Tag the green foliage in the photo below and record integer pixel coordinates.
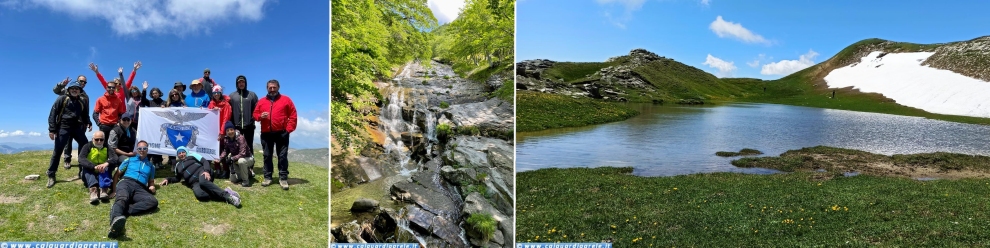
(483, 223)
(447, 77)
(469, 130)
(506, 92)
(336, 185)
(482, 36)
(426, 81)
(444, 131)
(368, 38)
(481, 176)
(538, 111)
(444, 105)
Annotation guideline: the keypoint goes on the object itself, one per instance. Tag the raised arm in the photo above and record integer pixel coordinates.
(98, 75)
(60, 87)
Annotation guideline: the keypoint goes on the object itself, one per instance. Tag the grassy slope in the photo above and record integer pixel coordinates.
(807, 87)
(711, 210)
(538, 111)
(269, 217)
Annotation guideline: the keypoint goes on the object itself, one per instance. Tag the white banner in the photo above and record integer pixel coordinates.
(168, 128)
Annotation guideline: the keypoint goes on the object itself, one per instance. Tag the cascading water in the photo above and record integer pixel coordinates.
(393, 126)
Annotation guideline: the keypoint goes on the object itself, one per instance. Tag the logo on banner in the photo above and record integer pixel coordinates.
(178, 134)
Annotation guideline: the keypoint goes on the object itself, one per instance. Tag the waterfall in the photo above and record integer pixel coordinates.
(393, 126)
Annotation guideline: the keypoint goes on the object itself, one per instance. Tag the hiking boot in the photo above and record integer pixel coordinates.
(67, 164)
(51, 182)
(117, 227)
(104, 194)
(93, 196)
(233, 197)
(268, 181)
(284, 183)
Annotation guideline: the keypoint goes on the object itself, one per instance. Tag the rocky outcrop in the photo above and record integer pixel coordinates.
(428, 174)
(608, 83)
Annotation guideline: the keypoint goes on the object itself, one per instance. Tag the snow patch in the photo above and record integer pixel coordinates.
(902, 78)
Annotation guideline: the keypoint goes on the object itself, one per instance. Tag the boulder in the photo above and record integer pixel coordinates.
(493, 114)
(364, 205)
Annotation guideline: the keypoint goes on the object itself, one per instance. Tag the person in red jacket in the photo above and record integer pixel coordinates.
(121, 87)
(220, 102)
(277, 115)
(108, 108)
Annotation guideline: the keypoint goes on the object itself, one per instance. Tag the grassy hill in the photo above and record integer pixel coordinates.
(269, 217)
(668, 80)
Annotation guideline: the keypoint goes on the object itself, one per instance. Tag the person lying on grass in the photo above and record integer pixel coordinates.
(195, 171)
(135, 179)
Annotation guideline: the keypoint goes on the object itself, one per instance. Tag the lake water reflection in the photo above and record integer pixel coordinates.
(676, 140)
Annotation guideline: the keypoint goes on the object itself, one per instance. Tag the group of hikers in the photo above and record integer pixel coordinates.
(114, 164)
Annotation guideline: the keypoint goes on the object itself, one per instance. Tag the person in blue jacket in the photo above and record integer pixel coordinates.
(197, 98)
(135, 191)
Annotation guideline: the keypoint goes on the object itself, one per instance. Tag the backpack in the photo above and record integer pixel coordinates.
(65, 102)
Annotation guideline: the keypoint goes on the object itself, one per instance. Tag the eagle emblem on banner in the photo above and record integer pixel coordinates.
(178, 134)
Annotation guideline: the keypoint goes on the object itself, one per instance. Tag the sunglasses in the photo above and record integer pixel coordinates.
(82, 81)
(142, 148)
(98, 139)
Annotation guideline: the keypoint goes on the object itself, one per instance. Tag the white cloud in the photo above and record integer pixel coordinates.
(785, 67)
(629, 6)
(725, 68)
(16, 133)
(310, 133)
(759, 59)
(724, 28)
(180, 17)
(445, 11)
(706, 2)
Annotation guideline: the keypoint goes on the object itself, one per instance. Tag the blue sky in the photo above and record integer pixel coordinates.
(759, 39)
(44, 41)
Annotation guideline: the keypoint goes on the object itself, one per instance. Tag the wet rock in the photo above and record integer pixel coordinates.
(426, 198)
(364, 205)
(436, 225)
(351, 233)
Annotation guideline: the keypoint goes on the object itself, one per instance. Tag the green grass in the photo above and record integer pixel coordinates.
(483, 223)
(269, 217)
(743, 152)
(506, 92)
(538, 111)
(780, 210)
(573, 71)
(840, 159)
